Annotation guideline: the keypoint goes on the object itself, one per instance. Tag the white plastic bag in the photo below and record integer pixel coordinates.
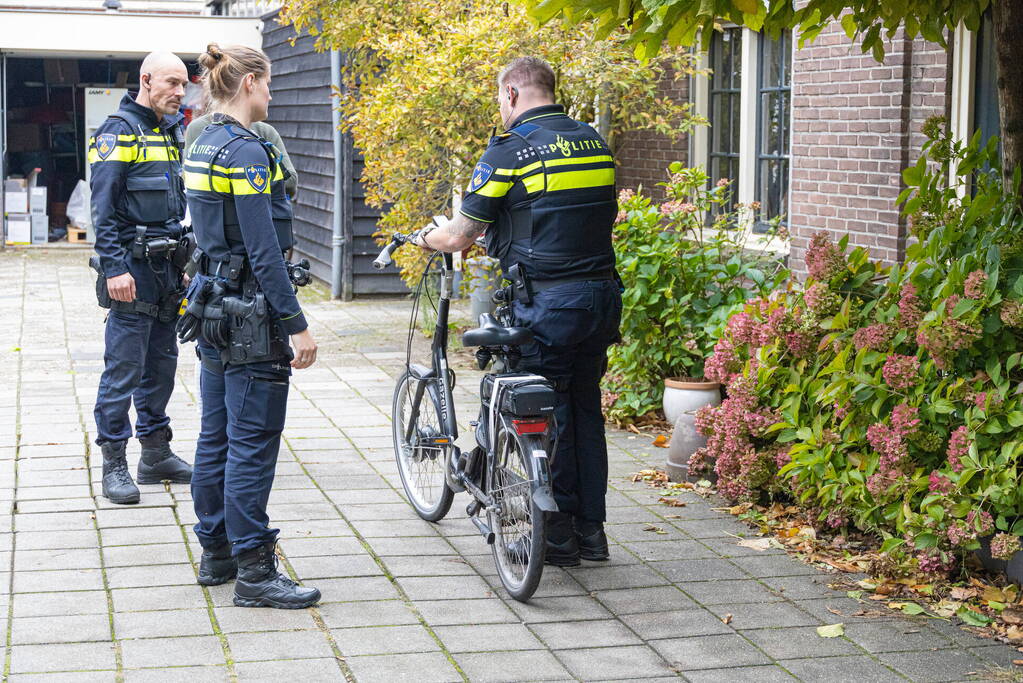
(79, 211)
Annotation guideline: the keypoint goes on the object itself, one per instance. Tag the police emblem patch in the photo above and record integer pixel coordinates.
(257, 175)
(480, 175)
(105, 145)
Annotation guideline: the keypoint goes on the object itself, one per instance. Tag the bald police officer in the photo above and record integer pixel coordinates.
(544, 195)
(138, 202)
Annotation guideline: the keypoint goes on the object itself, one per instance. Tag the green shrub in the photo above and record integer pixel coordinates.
(683, 277)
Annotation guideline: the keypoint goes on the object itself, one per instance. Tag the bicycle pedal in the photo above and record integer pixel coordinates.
(473, 508)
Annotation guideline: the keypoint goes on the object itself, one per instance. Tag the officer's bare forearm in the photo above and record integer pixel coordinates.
(457, 235)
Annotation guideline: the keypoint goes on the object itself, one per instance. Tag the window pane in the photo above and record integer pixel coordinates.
(774, 108)
(985, 96)
(725, 81)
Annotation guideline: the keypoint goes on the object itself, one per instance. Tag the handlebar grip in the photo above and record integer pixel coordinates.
(384, 259)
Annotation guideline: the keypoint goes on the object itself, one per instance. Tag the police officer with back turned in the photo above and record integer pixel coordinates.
(544, 194)
(138, 202)
(243, 309)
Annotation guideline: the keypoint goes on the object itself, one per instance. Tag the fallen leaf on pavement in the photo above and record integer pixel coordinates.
(661, 441)
(655, 529)
(727, 619)
(831, 630)
(1012, 616)
(759, 543)
(671, 502)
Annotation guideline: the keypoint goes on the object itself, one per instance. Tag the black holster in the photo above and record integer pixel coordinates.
(252, 332)
(102, 293)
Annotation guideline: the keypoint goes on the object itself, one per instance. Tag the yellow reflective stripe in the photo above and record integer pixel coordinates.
(599, 158)
(574, 180)
(119, 153)
(229, 171)
(517, 171)
(219, 169)
(533, 183)
(151, 153)
(237, 186)
(475, 218)
(495, 188)
(580, 160)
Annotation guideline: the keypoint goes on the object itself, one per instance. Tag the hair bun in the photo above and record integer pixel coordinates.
(213, 50)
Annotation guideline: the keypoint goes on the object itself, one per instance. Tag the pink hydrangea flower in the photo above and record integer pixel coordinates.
(958, 448)
(874, 337)
(1011, 313)
(939, 483)
(910, 309)
(974, 285)
(905, 420)
(900, 372)
(823, 259)
(1004, 546)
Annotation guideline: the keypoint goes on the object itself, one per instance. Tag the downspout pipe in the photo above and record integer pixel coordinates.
(337, 241)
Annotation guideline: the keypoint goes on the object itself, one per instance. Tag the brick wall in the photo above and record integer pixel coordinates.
(643, 155)
(856, 125)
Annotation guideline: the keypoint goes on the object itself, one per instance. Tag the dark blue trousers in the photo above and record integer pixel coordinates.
(140, 358)
(243, 411)
(573, 325)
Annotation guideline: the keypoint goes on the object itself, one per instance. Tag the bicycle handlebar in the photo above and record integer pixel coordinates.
(384, 259)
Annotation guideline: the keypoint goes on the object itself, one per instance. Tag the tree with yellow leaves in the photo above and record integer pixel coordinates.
(419, 86)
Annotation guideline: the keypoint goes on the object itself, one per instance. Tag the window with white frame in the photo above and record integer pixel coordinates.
(974, 84)
(747, 100)
(724, 112)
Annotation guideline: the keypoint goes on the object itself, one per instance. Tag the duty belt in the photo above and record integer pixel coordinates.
(541, 285)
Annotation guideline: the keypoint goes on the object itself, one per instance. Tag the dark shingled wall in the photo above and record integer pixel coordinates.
(300, 111)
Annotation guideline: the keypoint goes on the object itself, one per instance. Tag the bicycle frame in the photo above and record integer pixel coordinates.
(439, 370)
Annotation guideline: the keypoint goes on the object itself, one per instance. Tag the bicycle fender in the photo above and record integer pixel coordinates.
(420, 372)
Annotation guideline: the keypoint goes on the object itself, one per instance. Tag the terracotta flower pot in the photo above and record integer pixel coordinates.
(682, 398)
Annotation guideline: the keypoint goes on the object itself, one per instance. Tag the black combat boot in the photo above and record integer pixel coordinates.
(217, 566)
(592, 541)
(117, 483)
(158, 462)
(259, 583)
(562, 544)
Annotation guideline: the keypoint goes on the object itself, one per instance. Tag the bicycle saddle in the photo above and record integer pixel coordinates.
(492, 333)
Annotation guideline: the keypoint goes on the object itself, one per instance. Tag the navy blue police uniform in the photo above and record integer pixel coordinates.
(546, 187)
(137, 198)
(242, 223)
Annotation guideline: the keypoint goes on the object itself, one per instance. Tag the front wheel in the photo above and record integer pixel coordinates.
(421, 451)
(516, 520)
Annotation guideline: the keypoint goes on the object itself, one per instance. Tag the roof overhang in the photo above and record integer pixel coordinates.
(98, 35)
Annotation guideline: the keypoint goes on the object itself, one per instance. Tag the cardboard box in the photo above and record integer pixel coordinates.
(37, 200)
(40, 228)
(19, 228)
(15, 196)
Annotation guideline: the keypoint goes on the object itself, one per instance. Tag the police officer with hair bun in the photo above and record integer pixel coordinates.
(242, 307)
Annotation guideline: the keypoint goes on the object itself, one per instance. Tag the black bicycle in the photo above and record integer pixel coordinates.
(507, 475)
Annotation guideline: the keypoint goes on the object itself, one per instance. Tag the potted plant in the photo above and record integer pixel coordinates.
(687, 262)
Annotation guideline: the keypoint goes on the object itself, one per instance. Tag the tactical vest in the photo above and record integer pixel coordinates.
(562, 227)
(154, 190)
(280, 207)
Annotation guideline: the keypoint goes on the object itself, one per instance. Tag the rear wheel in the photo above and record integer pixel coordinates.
(517, 522)
(422, 461)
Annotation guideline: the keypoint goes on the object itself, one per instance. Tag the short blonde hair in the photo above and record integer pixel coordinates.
(526, 72)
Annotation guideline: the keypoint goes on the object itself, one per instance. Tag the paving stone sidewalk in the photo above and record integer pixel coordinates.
(98, 592)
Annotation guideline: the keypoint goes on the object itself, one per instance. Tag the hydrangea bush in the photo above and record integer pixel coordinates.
(888, 399)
